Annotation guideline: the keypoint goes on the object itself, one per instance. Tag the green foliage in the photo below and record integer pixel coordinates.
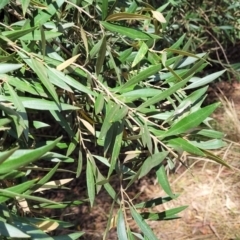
(95, 70)
(213, 26)
(18, 200)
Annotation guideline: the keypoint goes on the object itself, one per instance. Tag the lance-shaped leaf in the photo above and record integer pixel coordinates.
(12, 232)
(143, 75)
(126, 16)
(144, 227)
(140, 54)
(190, 121)
(129, 32)
(121, 227)
(168, 214)
(41, 71)
(186, 146)
(163, 181)
(90, 182)
(21, 158)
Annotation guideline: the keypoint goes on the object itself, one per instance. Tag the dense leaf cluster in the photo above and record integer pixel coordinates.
(95, 73)
(213, 26)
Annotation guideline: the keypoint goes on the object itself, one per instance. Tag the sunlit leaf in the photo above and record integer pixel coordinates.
(205, 80)
(143, 75)
(151, 162)
(8, 67)
(68, 62)
(157, 15)
(129, 32)
(190, 121)
(163, 181)
(8, 230)
(121, 228)
(143, 225)
(90, 182)
(21, 158)
(168, 214)
(140, 54)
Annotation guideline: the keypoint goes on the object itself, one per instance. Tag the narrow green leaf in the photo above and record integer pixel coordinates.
(195, 68)
(129, 32)
(168, 214)
(95, 49)
(163, 181)
(85, 40)
(118, 134)
(16, 161)
(143, 75)
(15, 35)
(163, 95)
(41, 71)
(121, 228)
(8, 67)
(113, 64)
(121, 114)
(20, 188)
(146, 138)
(73, 144)
(90, 182)
(111, 113)
(22, 85)
(144, 227)
(54, 206)
(8, 230)
(80, 164)
(38, 124)
(211, 133)
(186, 146)
(190, 121)
(154, 202)
(125, 54)
(44, 15)
(205, 80)
(37, 35)
(20, 110)
(210, 144)
(151, 162)
(58, 78)
(140, 54)
(101, 55)
(5, 155)
(112, 193)
(130, 235)
(77, 85)
(25, 5)
(99, 103)
(104, 9)
(43, 180)
(41, 104)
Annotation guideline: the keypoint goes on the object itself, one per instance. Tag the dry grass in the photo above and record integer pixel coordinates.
(211, 191)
